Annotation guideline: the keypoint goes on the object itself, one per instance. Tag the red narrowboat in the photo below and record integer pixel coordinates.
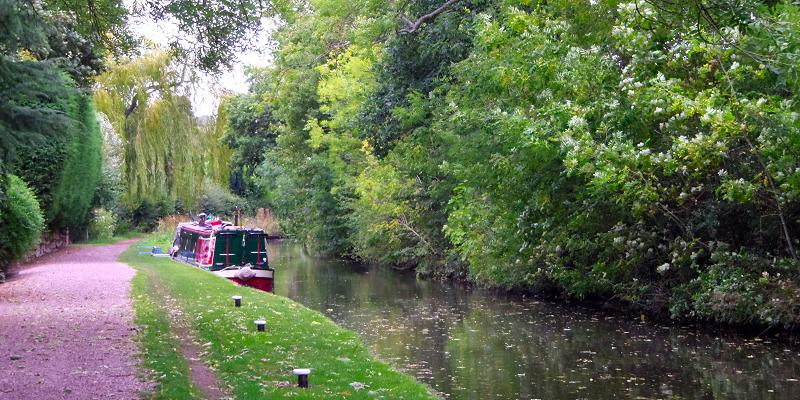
(227, 250)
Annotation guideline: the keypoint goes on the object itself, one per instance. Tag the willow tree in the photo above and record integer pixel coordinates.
(165, 149)
(217, 158)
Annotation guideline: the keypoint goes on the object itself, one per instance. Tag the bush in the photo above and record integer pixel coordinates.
(22, 222)
(103, 224)
(218, 201)
(742, 288)
(144, 216)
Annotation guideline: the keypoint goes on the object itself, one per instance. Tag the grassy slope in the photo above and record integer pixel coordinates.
(253, 363)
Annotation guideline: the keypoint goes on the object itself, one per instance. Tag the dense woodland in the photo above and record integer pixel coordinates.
(639, 152)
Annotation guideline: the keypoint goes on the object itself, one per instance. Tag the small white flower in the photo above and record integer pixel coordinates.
(577, 122)
(662, 268)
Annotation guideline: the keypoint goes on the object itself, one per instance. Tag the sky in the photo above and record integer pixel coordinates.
(206, 94)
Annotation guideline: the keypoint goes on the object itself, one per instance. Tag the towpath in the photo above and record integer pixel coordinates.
(66, 328)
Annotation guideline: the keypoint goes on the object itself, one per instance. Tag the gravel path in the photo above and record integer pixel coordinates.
(66, 328)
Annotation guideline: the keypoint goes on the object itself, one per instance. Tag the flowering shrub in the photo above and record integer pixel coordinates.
(103, 224)
(642, 151)
(624, 157)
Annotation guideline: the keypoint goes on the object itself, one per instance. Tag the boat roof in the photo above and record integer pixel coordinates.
(214, 226)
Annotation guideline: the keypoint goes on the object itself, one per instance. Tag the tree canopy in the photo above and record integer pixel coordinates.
(641, 151)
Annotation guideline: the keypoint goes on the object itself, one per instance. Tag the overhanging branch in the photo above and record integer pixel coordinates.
(412, 26)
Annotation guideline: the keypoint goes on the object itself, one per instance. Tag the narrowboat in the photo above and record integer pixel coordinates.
(227, 250)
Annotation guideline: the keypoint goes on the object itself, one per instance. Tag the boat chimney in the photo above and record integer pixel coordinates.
(201, 219)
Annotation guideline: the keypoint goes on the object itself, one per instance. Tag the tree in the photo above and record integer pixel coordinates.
(49, 135)
(214, 32)
(167, 153)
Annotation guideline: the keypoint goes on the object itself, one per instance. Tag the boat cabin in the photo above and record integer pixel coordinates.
(225, 249)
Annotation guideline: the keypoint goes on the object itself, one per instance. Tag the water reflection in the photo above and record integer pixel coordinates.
(469, 344)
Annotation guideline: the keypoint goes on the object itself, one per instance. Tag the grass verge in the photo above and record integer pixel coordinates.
(114, 239)
(255, 364)
(159, 346)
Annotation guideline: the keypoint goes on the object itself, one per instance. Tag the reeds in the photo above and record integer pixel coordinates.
(263, 219)
(169, 223)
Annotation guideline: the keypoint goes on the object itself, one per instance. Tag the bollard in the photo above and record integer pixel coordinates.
(302, 376)
(261, 324)
(237, 301)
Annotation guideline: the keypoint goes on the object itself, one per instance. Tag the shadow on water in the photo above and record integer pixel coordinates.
(469, 344)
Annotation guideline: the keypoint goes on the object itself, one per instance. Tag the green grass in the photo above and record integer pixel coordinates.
(114, 239)
(254, 363)
(160, 357)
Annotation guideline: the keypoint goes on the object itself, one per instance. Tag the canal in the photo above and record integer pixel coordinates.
(471, 344)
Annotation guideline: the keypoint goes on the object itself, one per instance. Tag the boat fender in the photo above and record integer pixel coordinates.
(245, 274)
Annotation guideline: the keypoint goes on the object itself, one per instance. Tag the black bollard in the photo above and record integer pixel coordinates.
(261, 324)
(302, 376)
(237, 301)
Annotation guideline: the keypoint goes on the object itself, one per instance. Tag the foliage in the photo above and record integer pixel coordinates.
(641, 151)
(64, 170)
(216, 155)
(213, 32)
(22, 218)
(167, 153)
(630, 168)
(102, 23)
(80, 173)
(102, 225)
(247, 133)
(110, 188)
(48, 128)
(143, 216)
(218, 201)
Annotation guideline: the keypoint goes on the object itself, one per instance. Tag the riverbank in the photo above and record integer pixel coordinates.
(247, 363)
(477, 344)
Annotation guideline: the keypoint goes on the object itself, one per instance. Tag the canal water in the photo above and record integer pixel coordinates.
(472, 344)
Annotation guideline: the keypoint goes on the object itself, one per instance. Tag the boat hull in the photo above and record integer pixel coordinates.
(261, 279)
